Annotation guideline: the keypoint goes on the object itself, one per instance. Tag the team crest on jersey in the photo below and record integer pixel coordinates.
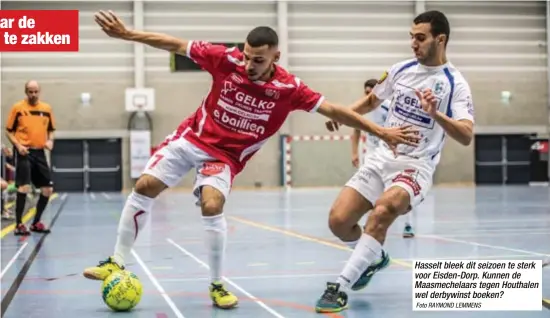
(272, 93)
(439, 87)
(383, 77)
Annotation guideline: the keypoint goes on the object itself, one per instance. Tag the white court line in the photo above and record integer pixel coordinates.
(230, 282)
(476, 257)
(277, 276)
(515, 221)
(105, 195)
(305, 263)
(12, 260)
(496, 234)
(92, 195)
(481, 230)
(256, 264)
(155, 282)
(496, 247)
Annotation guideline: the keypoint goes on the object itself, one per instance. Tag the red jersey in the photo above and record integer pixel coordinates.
(238, 115)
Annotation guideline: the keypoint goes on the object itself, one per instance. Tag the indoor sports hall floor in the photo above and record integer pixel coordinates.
(280, 253)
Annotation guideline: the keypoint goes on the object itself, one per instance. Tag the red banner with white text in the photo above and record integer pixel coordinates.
(39, 31)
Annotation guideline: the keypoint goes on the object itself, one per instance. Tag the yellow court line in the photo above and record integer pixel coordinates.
(30, 213)
(305, 237)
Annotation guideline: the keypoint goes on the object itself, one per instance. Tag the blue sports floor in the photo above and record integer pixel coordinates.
(280, 253)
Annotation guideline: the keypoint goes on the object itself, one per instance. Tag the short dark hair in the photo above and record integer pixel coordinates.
(371, 83)
(438, 23)
(261, 36)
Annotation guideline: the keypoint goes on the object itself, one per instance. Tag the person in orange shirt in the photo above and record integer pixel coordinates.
(30, 128)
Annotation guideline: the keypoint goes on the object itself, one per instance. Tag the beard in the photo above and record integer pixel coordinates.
(431, 54)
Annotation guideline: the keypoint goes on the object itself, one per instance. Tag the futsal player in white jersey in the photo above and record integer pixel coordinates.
(362, 147)
(429, 93)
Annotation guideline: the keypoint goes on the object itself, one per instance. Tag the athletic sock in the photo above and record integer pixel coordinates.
(133, 219)
(40, 207)
(216, 240)
(367, 251)
(20, 201)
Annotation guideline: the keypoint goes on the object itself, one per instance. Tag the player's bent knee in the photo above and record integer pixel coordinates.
(396, 199)
(149, 186)
(380, 219)
(24, 188)
(211, 207)
(46, 191)
(339, 223)
(212, 201)
(347, 210)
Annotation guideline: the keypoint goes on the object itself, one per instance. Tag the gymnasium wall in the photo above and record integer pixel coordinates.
(332, 47)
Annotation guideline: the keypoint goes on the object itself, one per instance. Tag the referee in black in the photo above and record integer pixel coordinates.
(30, 128)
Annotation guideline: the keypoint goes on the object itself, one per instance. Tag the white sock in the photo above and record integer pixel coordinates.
(352, 244)
(132, 220)
(216, 239)
(365, 253)
(408, 220)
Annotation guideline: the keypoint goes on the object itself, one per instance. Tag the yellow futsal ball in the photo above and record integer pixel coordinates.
(122, 291)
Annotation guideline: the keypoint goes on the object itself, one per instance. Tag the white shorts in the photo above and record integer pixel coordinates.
(380, 173)
(174, 160)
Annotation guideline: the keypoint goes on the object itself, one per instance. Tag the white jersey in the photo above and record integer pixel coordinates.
(447, 84)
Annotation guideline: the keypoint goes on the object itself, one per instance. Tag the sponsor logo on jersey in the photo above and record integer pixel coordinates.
(253, 102)
(241, 112)
(409, 109)
(228, 87)
(238, 124)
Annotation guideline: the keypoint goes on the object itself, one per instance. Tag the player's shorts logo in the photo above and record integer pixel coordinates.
(212, 168)
(408, 177)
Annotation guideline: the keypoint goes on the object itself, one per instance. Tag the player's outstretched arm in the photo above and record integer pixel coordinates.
(366, 104)
(393, 136)
(362, 106)
(115, 28)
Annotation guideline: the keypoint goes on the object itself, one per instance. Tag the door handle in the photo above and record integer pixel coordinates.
(69, 170)
(114, 169)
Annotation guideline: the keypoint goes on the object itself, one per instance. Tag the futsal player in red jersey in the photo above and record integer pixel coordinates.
(249, 99)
